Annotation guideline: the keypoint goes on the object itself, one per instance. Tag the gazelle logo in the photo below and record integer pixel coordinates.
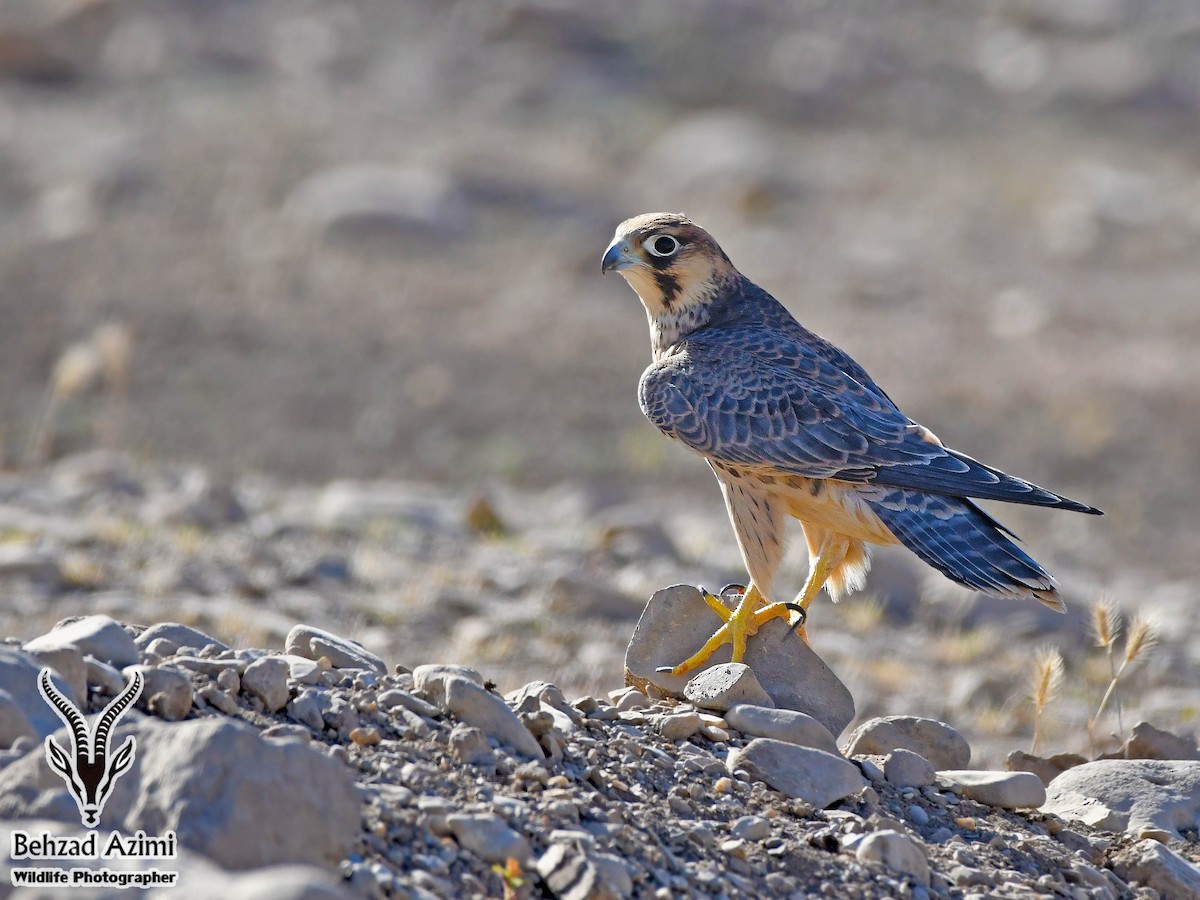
(90, 772)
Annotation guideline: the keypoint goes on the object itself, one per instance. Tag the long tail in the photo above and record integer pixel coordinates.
(965, 544)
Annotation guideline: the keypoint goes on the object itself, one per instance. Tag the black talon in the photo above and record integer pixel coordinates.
(739, 589)
(665, 669)
(796, 607)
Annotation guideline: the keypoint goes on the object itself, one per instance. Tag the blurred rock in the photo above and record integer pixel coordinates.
(944, 747)
(1045, 768)
(222, 788)
(1157, 867)
(370, 198)
(98, 636)
(1148, 742)
(904, 768)
(267, 679)
(489, 838)
(1146, 798)
(15, 724)
(473, 705)
(180, 635)
(897, 852)
(166, 691)
(315, 643)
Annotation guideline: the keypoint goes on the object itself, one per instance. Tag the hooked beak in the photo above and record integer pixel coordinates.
(618, 256)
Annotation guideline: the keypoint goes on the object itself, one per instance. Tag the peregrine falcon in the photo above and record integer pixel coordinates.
(792, 426)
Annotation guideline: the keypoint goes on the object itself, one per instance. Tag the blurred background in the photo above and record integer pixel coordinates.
(362, 239)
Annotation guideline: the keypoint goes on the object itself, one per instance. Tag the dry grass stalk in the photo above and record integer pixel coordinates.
(102, 360)
(1106, 625)
(1047, 679)
(1143, 635)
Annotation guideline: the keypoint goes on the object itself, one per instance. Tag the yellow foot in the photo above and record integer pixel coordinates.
(740, 624)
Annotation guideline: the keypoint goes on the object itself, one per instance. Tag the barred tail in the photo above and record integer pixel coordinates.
(965, 544)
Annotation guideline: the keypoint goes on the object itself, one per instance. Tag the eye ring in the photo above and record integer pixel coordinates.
(661, 245)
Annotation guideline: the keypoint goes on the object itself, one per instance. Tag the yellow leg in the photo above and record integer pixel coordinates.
(830, 557)
(738, 625)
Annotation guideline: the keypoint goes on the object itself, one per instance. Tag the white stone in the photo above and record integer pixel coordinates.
(897, 852)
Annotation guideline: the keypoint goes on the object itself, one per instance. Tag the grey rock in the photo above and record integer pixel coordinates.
(814, 776)
(14, 723)
(903, 768)
(1145, 797)
(897, 852)
(231, 796)
(1151, 864)
(107, 678)
(430, 680)
(211, 667)
(548, 695)
(1009, 790)
(470, 746)
(314, 643)
(67, 661)
(18, 678)
(782, 725)
(371, 197)
(488, 837)
(218, 699)
(166, 693)
(676, 622)
(473, 705)
(393, 698)
(199, 878)
(267, 679)
(179, 634)
(1148, 742)
(936, 741)
(160, 648)
(305, 710)
(722, 686)
(98, 636)
(1046, 768)
(679, 726)
(302, 670)
(751, 828)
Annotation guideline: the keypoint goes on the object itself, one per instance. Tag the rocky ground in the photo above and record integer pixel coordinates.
(475, 737)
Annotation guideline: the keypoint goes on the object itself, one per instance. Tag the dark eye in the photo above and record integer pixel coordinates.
(661, 245)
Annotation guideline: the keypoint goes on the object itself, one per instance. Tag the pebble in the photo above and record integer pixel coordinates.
(782, 725)
(218, 699)
(98, 636)
(314, 643)
(267, 679)
(1046, 768)
(305, 710)
(936, 741)
(470, 746)
(728, 684)
(751, 828)
(814, 776)
(1008, 790)
(917, 815)
(679, 726)
(473, 705)
(897, 852)
(304, 671)
(488, 837)
(904, 768)
(1143, 797)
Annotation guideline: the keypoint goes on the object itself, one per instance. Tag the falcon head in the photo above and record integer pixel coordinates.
(670, 261)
